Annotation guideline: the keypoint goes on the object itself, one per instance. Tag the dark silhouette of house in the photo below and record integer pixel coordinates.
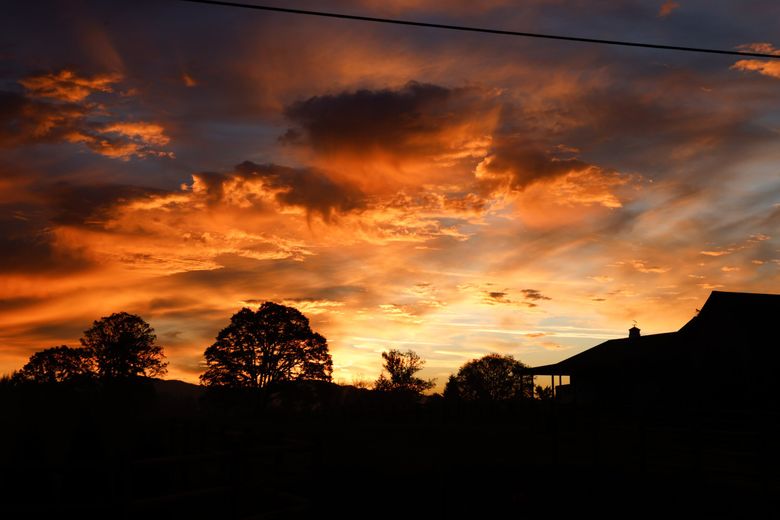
(726, 356)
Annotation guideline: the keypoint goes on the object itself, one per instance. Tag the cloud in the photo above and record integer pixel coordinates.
(31, 228)
(594, 186)
(416, 120)
(188, 80)
(530, 297)
(55, 108)
(264, 212)
(497, 297)
(260, 187)
(768, 67)
(518, 164)
(469, 147)
(393, 139)
(407, 313)
(762, 48)
(763, 67)
(122, 140)
(667, 7)
(534, 295)
(26, 121)
(643, 267)
(31, 249)
(309, 188)
(66, 85)
(315, 307)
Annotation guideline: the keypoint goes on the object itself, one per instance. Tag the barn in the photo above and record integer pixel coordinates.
(726, 356)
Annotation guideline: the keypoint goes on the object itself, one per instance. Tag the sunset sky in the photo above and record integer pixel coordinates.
(455, 194)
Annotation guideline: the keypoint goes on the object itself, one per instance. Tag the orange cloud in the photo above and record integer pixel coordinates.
(55, 108)
(643, 267)
(769, 68)
(123, 140)
(426, 141)
(66, 85)
(188, 80)
(667, 7)
(388, 139)
(763, 67)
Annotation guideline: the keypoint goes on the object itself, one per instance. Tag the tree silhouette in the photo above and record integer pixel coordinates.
(61, 364)
(124, 346)
(491, 378)
(275, 343)
(544, 393)
(401, 367)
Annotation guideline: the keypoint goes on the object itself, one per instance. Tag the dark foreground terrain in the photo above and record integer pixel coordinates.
(165, 449)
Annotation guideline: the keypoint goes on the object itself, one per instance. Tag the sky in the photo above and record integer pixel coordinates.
(452, 193)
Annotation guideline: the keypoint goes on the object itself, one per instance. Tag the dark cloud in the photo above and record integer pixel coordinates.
(333, 292)
(412, 120)
(530, 297)
(10, 304)
(29, 246)
(519, 164)
(533, 294)
(307, 188)
(87, 205)
(498, 296)
(51, 330)
(171, 303)
(28, 231)
(26, 121)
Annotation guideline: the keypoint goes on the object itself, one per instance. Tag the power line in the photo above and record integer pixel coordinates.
(481, 29)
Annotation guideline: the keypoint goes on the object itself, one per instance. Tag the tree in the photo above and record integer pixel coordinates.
(401, 367)
(124, 346)
(58, 365)
(491, 378)
(545, 393)
(273, 344)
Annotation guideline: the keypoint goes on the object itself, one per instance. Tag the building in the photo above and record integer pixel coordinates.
(725, 356)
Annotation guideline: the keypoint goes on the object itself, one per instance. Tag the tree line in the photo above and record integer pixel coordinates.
(257, 349)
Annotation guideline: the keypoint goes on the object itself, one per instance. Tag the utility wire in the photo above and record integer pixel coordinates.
(481, 29)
